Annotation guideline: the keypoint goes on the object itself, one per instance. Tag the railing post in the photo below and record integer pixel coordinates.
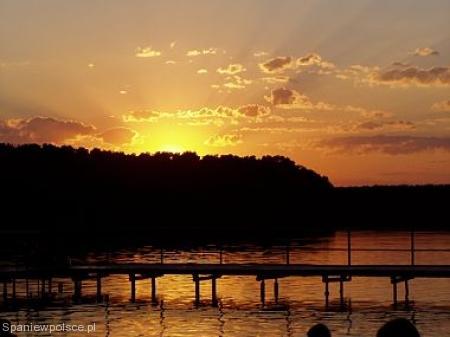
(413, 248)
(287, 254)
(162, 256)
(221, 255)
(349, 247)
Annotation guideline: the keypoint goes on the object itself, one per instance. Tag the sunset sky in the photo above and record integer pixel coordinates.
(358, 90)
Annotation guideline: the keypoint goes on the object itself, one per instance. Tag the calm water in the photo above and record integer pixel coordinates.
(240, 313)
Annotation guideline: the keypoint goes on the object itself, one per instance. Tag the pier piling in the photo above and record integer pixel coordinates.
(5, 291)
(263, 292)
(214, 291)
(197, 289)
(99, 287)
(133, 287)
(153, 290)
(275, 290)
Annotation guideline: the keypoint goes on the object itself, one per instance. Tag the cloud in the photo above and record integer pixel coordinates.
(276, 79)
(232, 69)
(146, 52)
(172, 44)
(277, 64)
(236, 82)
(314, 59)
(436, 76)
(140, 116)
(254, 110)
(202, 116)
(118, 136)
(442, 106)
(425, 51)
(202, 71)
(224, 140)
(195, 52)
(291, 99)
(42, 130)
(260, 54)
(390, 125)
(392, 145)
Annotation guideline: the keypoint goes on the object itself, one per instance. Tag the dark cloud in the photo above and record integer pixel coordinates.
(291, 99)
(393, 145)
(42, 130)
(276, 64)
(436, 76)
(118, 136)
(377, 125)
(254, 110)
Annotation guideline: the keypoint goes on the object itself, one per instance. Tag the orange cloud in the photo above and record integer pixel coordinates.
(146, 52)
(224, 140)
(425, 51)
(42, 130)
(195, 52)
(232, 69)
(442, 106)
(118, 136)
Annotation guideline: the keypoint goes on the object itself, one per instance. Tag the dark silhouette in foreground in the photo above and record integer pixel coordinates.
(319, 330)
(398, 327)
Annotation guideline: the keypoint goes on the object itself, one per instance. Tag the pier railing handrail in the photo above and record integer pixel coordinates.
(412, 250)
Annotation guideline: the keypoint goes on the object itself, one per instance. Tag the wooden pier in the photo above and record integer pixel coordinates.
(211, 272)
(10, 276)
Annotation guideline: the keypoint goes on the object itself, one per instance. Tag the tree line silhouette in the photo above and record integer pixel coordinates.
(67, 189)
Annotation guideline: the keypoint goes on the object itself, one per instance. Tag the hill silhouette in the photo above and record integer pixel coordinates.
(65, 189)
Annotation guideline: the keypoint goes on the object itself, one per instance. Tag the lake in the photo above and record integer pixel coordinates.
(368, 300)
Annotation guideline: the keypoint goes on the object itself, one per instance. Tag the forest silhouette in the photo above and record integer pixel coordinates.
(67, 189)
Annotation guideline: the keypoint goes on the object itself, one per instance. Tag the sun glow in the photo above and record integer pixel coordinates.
(173, 148)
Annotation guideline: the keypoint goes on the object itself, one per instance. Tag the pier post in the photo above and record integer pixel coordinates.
(263, 292)
(43, 288)
(406, 292)
(5, 291)
(197, 289)
(99, 287)
(349, 247)
(275, 290)
(27, 287)
(394, 291)
(133, 287)
(288, 260)
(14, 289)
(50, 285)
(153, 286)
(78, 285)
(214, 291)
(341, 291)
(327, 291)
(413, 248)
